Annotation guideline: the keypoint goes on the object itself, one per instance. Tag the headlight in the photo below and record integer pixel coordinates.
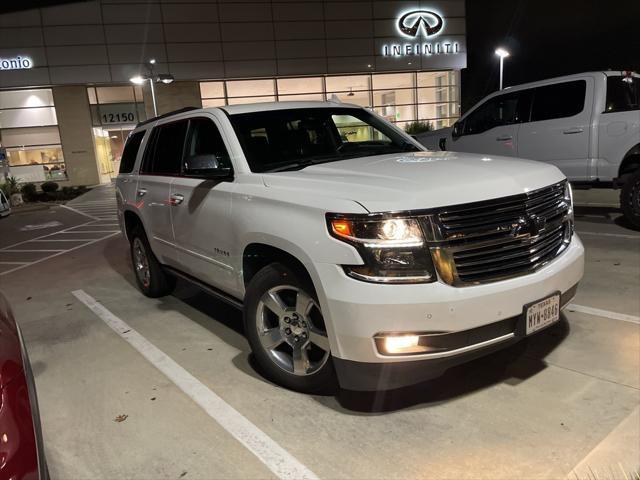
(393, 249)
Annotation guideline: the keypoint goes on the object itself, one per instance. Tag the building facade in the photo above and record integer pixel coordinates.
(67, 102)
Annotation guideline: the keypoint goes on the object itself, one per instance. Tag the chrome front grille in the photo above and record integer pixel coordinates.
(498, 239)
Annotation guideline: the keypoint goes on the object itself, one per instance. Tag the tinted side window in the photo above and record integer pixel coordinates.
(204, 138)
(167, 155)
(558, 101)
(501, 110)
(622, 95)
(131, 152)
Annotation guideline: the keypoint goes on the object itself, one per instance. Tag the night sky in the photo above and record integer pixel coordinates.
(546, 38)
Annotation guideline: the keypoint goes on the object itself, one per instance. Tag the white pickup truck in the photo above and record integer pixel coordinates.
(353, 252)
(587, 125)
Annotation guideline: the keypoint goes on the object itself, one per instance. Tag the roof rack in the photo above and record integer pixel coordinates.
(168, 114)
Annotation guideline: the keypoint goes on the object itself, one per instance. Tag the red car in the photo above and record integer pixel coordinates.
(21, 449)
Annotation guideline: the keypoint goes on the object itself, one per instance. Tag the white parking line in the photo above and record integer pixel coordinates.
(276, 458)
(62, 252)
(618, 235)
(603, 313)
(28, 251)
(13, 263)
(78, 211)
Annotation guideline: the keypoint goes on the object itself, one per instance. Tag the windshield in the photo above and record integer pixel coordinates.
(278, 140)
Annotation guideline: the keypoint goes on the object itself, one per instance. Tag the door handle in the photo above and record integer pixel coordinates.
(504, 138)
(573, 130)
(176, 199)
(142, 192)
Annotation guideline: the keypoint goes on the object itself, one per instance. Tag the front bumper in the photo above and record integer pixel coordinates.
(474, 343)
(481, 318)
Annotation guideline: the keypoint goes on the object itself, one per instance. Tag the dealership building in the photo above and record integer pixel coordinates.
(67, 102)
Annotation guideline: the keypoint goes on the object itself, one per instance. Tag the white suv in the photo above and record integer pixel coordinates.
(588, 125)
(353, 251)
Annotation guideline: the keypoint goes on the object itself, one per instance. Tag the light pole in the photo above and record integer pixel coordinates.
(502, 53)
(152, 78)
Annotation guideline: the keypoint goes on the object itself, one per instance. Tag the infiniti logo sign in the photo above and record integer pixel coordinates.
(410, 22)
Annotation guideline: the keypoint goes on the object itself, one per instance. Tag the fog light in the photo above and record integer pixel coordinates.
(401, 343)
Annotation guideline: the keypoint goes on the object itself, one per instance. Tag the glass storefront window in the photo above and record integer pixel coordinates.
(241, 100)
(37, 163)
(26, 98)
(287, 86)
(250, 88)
(212, 90)
(310, 97)
(436, 79)
(393, 81)
(115, 94)
(109, 146)
(399, 97)
(213, 102)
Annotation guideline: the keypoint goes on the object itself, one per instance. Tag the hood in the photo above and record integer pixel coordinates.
(10, 352)
(419, 180)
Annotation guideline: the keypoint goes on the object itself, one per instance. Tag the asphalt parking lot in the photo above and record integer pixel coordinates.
(131, 387)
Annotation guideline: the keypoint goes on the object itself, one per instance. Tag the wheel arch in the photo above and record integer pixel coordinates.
(257, 255)
(630, 162)
(131, 220)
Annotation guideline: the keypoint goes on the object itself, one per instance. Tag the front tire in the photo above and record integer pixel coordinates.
(630, 199)
(151, 278)
(286, 331)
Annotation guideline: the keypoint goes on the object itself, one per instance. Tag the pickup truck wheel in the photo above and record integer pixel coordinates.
(286, 331)
(151, 278)
(630, 199)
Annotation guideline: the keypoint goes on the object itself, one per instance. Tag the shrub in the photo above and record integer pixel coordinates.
(29, 192)
(413, 128)
(49, 187)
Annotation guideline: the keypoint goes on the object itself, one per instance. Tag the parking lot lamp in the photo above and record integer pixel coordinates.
(502, 53)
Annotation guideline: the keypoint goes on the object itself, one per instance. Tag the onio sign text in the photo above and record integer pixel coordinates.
(16, 63)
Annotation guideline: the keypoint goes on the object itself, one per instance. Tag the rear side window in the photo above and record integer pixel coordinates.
(131, 152)
(164, 153)
(558, 101)
(622, 94)
(501, 110)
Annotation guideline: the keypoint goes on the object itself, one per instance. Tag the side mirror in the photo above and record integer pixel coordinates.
(206, 165)
(457, 130)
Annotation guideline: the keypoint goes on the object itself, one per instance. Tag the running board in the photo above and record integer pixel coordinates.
(213, 291)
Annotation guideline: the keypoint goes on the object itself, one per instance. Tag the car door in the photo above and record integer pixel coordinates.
(201, 211)
(558, 131)
(492, 128)
(160, 165)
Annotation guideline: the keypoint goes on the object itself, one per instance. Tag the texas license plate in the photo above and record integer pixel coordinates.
(541, 314)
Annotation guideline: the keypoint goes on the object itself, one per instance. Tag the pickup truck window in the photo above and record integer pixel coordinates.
(131, 152)
(622, 95)
(498, 111)
(558, 101)
(292, 139)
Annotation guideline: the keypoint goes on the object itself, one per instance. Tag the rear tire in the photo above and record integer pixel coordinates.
(286, 331)
(151, 278)
(630, 199)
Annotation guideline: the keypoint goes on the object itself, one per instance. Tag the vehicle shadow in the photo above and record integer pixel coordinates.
(509, 366)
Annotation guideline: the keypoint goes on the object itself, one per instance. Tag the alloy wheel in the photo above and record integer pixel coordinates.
(141, 263)
(292, 331)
